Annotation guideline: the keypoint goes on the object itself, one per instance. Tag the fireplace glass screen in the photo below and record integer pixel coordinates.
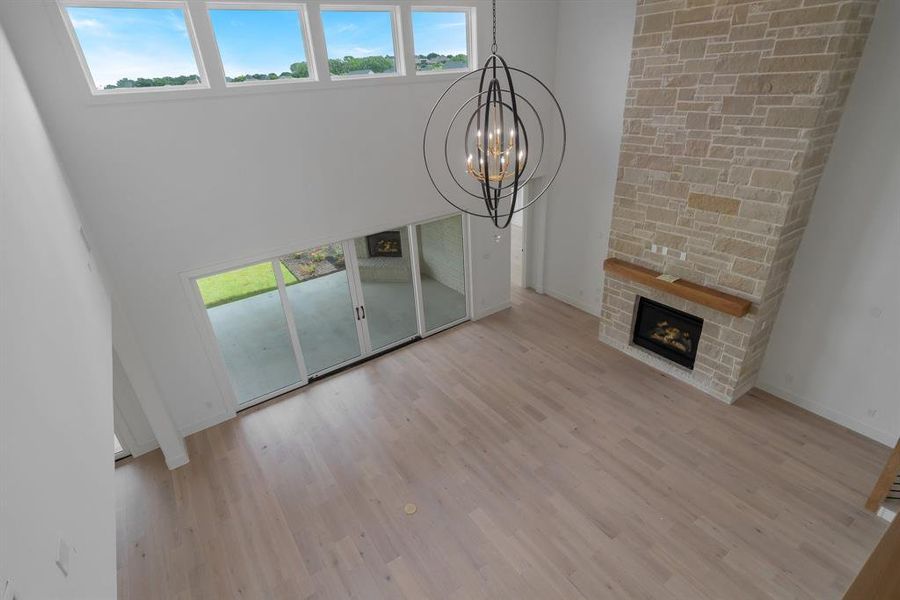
(668, 332)
(386, 243)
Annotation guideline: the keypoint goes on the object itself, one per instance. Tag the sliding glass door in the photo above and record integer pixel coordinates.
(245, 310)
(323, 306)
(385, 276)
(442, 271)
(279, 323)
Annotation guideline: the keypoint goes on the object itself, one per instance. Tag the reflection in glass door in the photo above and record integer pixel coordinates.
(245, 310)
(323, 306)
(384, 270)
(442, 267)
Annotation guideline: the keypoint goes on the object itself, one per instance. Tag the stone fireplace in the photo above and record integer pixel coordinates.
(731, 110)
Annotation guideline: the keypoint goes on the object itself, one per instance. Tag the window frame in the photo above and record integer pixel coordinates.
(470, 36)
(396, 32)
(302, 13)
(64, 5)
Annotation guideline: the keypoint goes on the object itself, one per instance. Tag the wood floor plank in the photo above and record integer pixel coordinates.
(543, 465)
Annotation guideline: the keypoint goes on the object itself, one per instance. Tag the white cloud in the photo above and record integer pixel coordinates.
(92, 25)
(345, 28)
(357, 51)
(177, 23)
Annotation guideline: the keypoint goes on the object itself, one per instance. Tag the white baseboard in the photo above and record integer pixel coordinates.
(888, 438)
(205, 423)
(174, 462)
(588, 308)
(486, 312)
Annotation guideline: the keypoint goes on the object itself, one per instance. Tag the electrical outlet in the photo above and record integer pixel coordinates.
(666, 251)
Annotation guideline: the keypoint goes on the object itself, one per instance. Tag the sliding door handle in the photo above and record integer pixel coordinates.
(363, 308)
(357, 313)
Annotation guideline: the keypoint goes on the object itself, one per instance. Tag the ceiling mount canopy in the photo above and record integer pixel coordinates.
(495, 141)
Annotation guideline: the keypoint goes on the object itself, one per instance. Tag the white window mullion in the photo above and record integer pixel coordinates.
(289, 317)
(208, 56)
(467, 262)
(356, 293)
(317, 41)
(413, 237)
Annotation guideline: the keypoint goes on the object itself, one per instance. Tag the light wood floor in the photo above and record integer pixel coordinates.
(543, 464)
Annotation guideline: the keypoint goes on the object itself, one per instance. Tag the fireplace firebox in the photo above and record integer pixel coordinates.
(386, 243)
(666, 331)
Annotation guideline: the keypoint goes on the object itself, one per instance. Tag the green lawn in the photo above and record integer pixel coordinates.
(241, 283)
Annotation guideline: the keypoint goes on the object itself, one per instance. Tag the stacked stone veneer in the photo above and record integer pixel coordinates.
(731, 111)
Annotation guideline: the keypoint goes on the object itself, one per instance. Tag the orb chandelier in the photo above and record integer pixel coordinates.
(488, 156)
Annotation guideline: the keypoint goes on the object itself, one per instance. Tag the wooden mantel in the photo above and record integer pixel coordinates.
(714, 299)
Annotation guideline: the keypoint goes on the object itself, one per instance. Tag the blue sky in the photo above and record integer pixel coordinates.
(359, 34)
(112, 48)
(134, 42)
(440, 32)
(258, 41)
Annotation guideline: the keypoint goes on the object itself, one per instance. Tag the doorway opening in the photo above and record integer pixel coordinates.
(517, 261)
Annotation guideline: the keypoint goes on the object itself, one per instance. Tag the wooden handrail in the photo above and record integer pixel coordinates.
(885, 480)
(879, 578)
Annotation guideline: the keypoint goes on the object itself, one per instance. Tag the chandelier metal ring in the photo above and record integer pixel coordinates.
(527, 155)
(496, 217)
(500, 148)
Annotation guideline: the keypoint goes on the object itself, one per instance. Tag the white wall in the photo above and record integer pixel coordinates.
(170, 186)
(835, 347)
(592, 60)
(489, 249)
(56, 417)
(131, 424)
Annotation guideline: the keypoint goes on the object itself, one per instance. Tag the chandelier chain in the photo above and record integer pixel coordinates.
(494, 30)
(495, 144)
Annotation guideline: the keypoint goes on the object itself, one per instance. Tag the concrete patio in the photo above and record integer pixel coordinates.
(255, 343)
